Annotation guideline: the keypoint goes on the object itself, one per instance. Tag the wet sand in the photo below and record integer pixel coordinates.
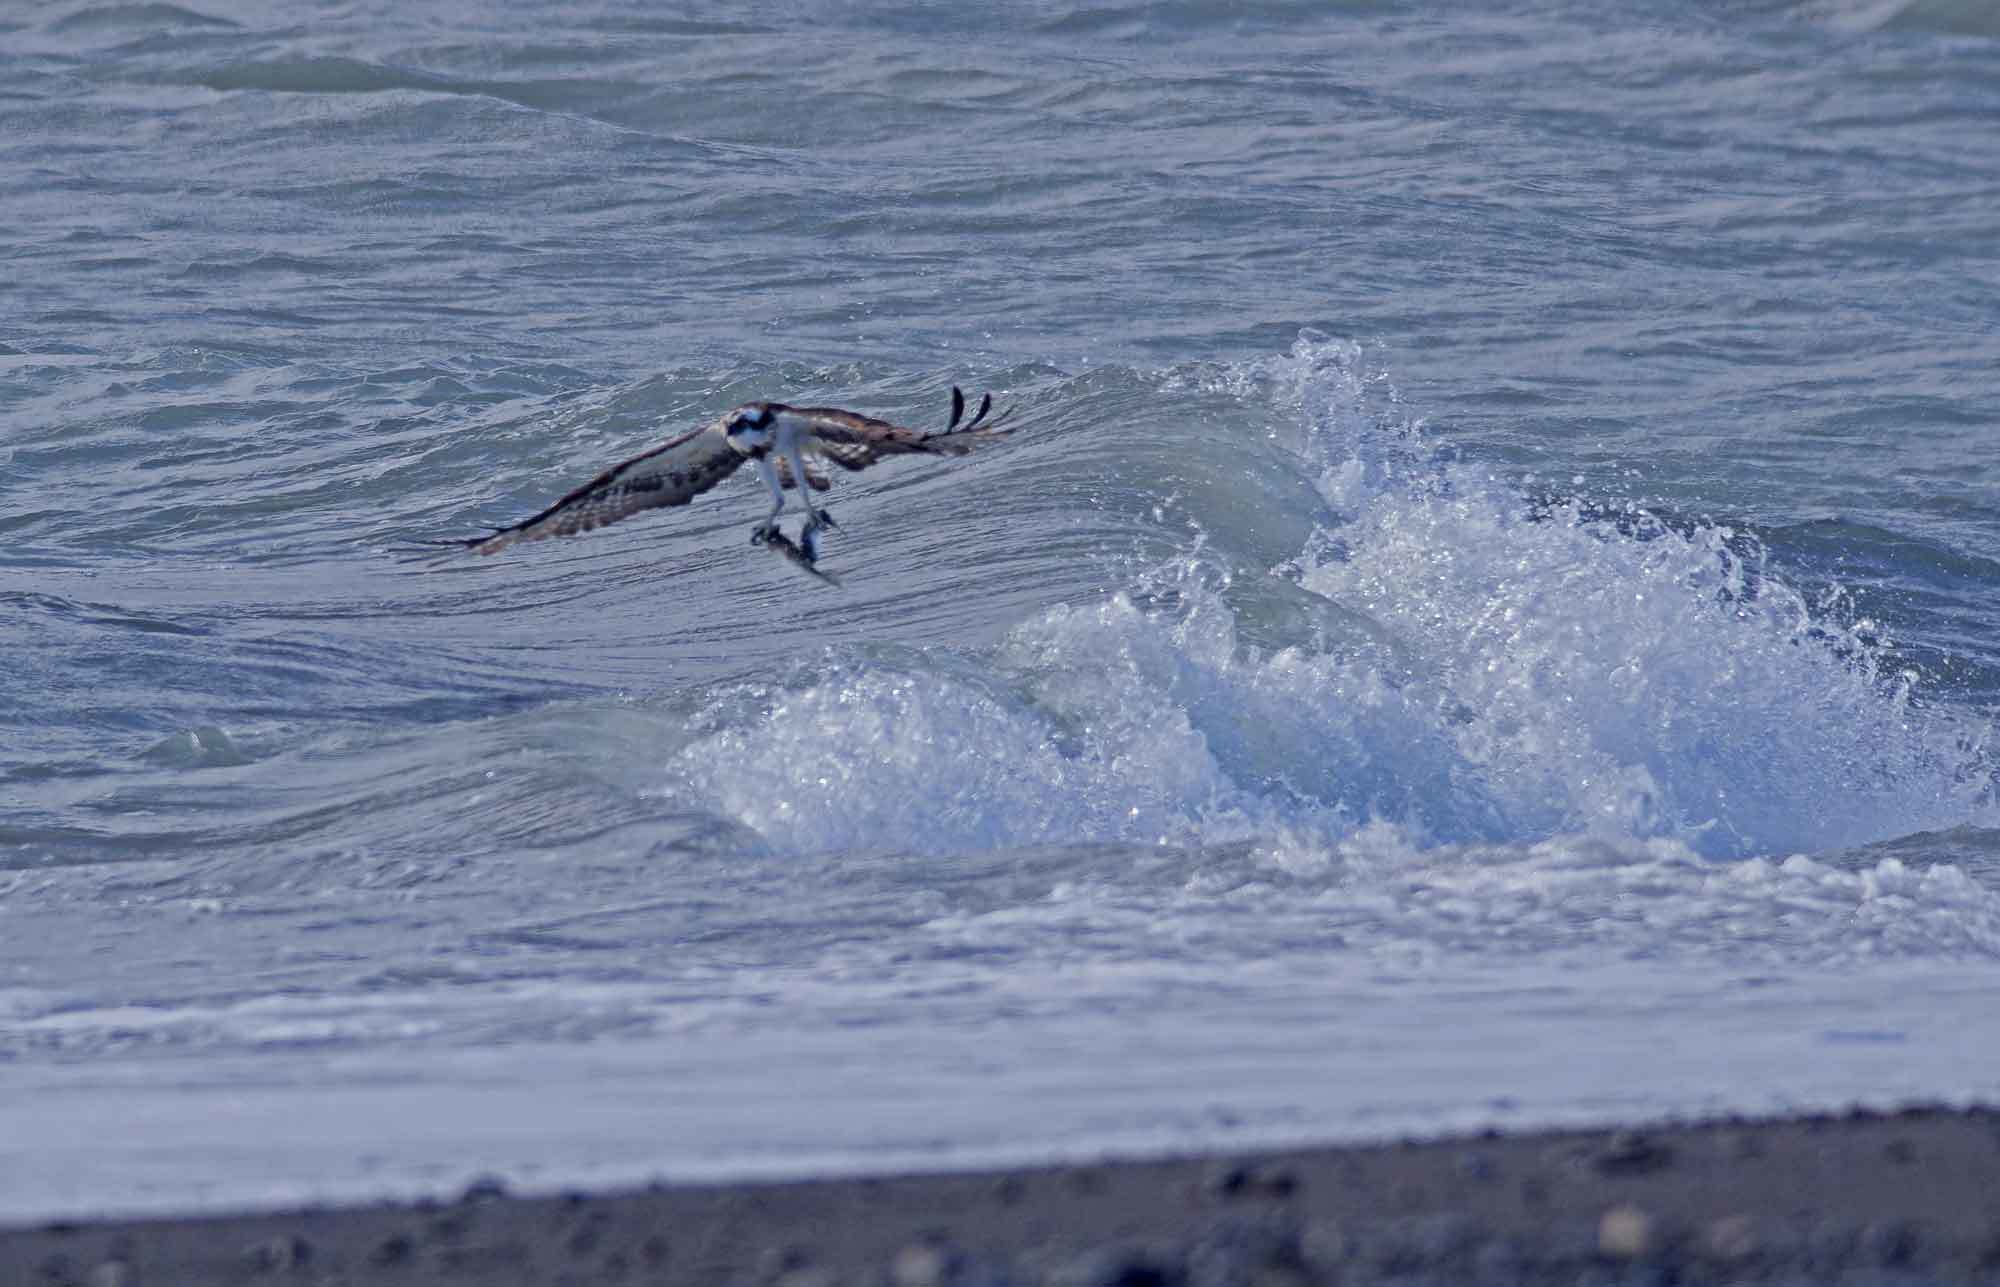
(1912, 1197)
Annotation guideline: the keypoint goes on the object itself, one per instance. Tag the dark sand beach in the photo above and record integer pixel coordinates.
(1909, 1197)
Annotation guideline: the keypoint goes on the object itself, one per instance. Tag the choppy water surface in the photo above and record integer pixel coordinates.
(1488, 618)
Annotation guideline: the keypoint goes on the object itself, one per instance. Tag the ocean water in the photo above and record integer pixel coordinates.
(1488, 615)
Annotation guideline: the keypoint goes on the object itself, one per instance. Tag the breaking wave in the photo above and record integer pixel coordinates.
(1446, 655)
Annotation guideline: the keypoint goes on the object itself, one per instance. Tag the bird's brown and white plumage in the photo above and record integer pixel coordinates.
(776, 438)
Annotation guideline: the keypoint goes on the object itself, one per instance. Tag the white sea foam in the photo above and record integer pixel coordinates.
(1624, 677)
(1528, 672)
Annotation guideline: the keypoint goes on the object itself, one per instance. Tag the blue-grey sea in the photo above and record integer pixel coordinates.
(1489, 616)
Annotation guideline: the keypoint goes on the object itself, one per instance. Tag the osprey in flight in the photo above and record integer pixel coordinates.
(778, 439)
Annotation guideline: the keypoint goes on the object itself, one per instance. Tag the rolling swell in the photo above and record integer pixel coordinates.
(1219, 603)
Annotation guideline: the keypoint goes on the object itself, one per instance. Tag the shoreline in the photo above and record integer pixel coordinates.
(1820, 1198)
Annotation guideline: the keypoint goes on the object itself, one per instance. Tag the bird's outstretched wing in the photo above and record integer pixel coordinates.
(673, 473)
(856, 441)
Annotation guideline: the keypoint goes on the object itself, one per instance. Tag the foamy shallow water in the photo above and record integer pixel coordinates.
(1568, 701)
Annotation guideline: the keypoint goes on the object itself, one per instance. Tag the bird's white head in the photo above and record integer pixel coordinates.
(750, 427)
